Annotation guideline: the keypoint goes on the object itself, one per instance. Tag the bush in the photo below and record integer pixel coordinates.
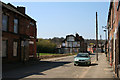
(45, 46)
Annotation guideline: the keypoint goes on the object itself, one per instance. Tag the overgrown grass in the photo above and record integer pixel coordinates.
(40, 54)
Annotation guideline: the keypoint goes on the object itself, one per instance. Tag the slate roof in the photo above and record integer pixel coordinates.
(14, 9)
(77, 38)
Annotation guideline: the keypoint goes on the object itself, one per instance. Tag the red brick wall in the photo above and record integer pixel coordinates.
(111, 33)
(10, 38)
(23, 30)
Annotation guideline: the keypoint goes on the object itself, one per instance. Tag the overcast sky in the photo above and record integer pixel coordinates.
(58, 19)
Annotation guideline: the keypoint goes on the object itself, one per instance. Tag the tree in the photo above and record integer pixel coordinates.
(45, 46)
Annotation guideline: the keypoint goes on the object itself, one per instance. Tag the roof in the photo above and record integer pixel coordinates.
(109, 13)
(77, 38)
(70, 35)
(14, 9)
(67, 36)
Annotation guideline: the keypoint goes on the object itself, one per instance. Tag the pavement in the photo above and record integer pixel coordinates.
(101, 70)
(62, 68)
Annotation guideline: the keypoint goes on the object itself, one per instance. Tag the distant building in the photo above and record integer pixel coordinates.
(18, 34)
(73, 44)
(91, 45)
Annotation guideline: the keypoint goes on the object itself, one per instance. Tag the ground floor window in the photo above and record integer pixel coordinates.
(15, 48)
(4, 48)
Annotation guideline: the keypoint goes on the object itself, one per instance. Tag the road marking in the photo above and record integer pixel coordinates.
(86, 71)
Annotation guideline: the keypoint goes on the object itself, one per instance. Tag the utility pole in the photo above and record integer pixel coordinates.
(0, 40)
(101, 43)
(96, 38)
(101, 40)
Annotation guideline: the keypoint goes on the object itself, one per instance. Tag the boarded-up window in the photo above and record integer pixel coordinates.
(4, 48)
(15, 48)
(4, 22)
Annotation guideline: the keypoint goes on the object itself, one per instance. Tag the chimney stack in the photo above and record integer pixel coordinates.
(21, 9)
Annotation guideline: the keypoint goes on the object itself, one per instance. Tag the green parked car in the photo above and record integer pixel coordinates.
(82, 58)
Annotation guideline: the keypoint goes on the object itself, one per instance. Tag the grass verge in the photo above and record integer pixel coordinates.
(52, 55)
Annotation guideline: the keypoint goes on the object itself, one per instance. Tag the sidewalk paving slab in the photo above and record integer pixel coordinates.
(102, 70)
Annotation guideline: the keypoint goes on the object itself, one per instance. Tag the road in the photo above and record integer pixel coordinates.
(62, 68)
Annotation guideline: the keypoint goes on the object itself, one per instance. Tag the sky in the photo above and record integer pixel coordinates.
(58, 19)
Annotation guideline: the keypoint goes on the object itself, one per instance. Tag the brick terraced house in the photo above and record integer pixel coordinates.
(18, 34)
(113, 25)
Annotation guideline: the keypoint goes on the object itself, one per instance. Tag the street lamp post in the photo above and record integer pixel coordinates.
(105, 43)
(101, 43)
(105, 30)
(105, 34)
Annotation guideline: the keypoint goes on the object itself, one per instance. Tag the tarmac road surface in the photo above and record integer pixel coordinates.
(63, 68)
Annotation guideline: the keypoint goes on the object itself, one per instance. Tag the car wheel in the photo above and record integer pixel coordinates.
(75, 65)
(90, 63)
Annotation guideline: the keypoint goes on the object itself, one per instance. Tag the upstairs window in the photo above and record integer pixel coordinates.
(4, 22)
(74, 44)
(70, 44)
(31, 23)
(78, 44)
(63, 44)
(70, 38)
(15, 25)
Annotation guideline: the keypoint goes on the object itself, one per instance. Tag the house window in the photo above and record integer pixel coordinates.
(70, 44)
(67, 44)
(78, 44)
(15, 25)
(31, 23)
(74, 44)
(4, 48)
(71, 38)
(15, 48)
(63, 44)
(4, 22)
